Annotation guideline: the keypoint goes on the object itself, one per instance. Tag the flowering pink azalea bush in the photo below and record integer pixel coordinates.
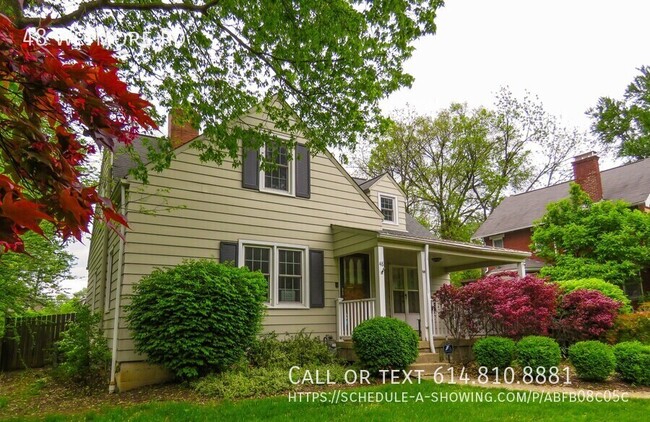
(585, 315)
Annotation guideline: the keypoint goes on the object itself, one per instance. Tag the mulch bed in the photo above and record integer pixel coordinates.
(33, 392)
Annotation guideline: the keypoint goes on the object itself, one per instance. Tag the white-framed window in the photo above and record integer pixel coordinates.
(388, 207)
(497, 241)
(281, 178)
(285, 269)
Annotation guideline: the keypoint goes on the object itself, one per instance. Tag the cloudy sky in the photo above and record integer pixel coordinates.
(567, 52)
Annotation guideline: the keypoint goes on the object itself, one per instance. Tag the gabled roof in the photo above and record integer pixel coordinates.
(630, 182)
(367, 184)
(123, 162)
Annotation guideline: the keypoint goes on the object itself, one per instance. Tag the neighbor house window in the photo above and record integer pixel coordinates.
(284, 269)
(279, 178)
(497, 242)
(388, 207)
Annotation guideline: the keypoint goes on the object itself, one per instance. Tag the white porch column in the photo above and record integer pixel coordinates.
(521, 269)
(425, 301)
(381, 281)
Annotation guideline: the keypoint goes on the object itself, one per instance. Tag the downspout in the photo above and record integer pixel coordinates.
(118, 291)
(428, 293)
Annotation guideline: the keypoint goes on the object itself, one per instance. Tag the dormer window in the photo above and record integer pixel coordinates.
(388, 207)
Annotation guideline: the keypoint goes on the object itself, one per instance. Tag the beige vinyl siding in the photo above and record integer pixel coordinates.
(346, 242)
(99, 253)
(386, 186)
(198, 205)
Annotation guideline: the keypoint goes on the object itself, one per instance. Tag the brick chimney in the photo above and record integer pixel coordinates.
(586, 173)
(179, 133)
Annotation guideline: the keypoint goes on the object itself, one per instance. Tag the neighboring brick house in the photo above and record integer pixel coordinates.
(510, 224)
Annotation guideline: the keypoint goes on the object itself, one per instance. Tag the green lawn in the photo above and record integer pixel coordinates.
(280, 409)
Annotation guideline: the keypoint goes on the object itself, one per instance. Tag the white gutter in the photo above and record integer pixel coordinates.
(427, 290)
(118, 292)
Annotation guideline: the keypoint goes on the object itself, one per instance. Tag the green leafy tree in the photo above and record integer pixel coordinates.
(32, 279)
(456, 167)
(585, 239)
(330, 61)
(625, 123)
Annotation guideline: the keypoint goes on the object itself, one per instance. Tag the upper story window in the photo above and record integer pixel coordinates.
(388, 207)
(279, 178)
(285, 177)
(497, 242)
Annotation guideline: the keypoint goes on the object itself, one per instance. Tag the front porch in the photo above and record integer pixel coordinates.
(395, 275)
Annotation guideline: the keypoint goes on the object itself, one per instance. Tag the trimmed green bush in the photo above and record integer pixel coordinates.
(301, 349)
(610, 290)
(592, 360)
(385, 343)
(538, 352)
(197, 317)
(630, 327)
(494, 352)
(633, 362)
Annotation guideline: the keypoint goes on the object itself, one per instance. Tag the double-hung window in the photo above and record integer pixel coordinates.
(280, 177)
(284, 268)
(388, 207)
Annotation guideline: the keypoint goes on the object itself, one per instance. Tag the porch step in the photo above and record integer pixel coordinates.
(423, 345)
(428, 357)
(429, 368)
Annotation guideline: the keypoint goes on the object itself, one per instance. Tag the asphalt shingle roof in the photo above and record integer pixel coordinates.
(630, 182)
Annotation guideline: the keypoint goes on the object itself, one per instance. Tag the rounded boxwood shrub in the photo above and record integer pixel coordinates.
(385, 343)
(197, 317)
(538, 352)
(610, 290)
(494, 352)
(592, 360)
(633, 362)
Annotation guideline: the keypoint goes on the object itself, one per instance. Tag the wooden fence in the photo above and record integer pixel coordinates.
(28, 342)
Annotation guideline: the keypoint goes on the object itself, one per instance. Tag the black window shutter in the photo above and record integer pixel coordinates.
(303, 189)
(250, 169)
(316, 279)
(228, 252)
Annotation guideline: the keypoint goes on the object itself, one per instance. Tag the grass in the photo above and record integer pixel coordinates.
(280, 409)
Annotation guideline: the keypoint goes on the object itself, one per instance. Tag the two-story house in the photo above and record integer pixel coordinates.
(336, 251)
(510, 224)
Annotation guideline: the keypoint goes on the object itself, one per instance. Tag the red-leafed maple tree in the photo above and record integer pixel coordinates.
(51, 97)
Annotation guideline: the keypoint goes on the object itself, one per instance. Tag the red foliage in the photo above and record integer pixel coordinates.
(453, 303)
(49, 94)
(504, 304)
(585, 315)
(515, 306)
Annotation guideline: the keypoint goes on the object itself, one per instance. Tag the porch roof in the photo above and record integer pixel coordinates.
(454, 255)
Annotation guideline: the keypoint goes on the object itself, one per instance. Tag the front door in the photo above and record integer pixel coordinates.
(405, 295)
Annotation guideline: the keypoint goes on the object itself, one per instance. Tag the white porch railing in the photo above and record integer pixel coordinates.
(438, 325)
(351, 313)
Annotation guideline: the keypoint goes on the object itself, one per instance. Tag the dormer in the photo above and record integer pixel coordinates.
(384, 191)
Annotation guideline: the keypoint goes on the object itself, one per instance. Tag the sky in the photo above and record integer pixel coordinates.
(567, 52)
